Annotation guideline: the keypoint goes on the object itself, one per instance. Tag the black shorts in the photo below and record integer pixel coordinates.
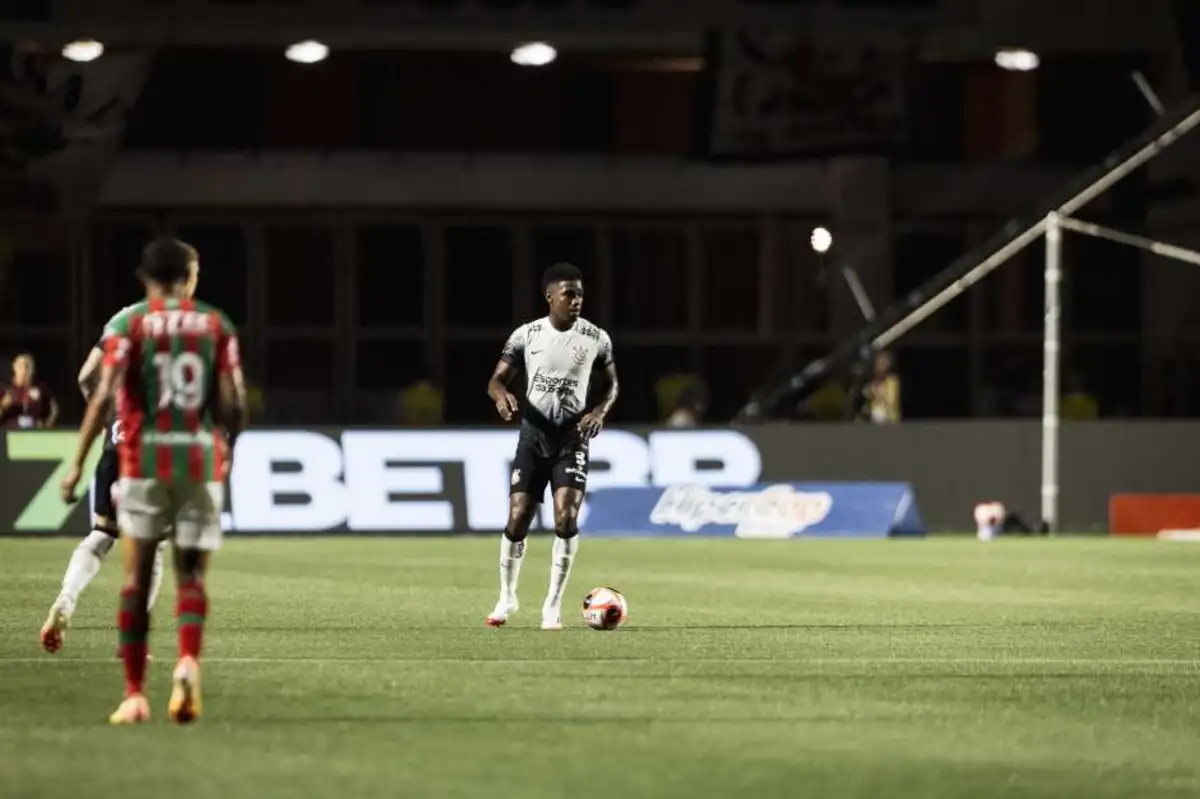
(107, 474)
(557, 459)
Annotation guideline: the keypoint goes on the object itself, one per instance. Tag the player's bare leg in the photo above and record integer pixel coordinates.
(133, 623)
(521, 508)
(567, 502)
(191, 608)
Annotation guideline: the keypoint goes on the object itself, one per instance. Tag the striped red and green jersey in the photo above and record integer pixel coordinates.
(171, 353)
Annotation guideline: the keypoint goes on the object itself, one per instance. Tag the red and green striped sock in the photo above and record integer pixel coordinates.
(191, 607)
(133, 625)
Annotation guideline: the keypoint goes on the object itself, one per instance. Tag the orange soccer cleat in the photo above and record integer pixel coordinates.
(55, 627)
(504, 608)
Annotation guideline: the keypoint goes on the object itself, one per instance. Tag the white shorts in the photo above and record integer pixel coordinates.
(149, 508)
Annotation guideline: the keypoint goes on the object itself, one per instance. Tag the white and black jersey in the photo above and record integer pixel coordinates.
(114, 425)
(107, 468)
(558, 368)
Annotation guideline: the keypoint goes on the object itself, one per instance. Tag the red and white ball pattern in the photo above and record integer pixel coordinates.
(605, 609)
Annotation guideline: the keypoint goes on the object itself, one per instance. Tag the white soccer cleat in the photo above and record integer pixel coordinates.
(132, 710)
(184, 707)
(56, 625)
(504, 608)
(552, 619)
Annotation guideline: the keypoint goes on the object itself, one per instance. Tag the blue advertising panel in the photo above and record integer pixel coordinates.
(761, 511)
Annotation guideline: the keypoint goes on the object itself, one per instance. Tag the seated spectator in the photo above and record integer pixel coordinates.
(690, 411)
(882, 392)
(422, 403)
(1078, 405)
(24, 403)
(669, 390)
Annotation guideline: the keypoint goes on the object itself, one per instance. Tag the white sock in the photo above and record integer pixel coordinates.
(85, 565)
(560, 569)
(512, 555)
(156, 576)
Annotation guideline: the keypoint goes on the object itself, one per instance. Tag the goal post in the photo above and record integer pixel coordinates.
(1051, 219)
(1051, 227)
(1055, 225)
(1050, 372)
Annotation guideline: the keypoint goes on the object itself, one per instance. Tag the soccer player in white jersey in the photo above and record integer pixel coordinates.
(558, 354)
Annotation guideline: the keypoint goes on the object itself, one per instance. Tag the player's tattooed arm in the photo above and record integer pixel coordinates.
(506, 403)
(593, 421)
(512, 355)
(613, 388)
(89, 373)
(606, 362)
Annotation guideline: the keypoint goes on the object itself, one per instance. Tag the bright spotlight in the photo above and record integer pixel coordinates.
(308, 52)
(821, 240)
(534, 54)
(83, 50)
(1017, 59)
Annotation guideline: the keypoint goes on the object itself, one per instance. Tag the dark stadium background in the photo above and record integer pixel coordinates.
(347, 297)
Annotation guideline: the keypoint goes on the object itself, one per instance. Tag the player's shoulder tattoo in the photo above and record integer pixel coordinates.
(516, 342)
(604, 348)
(530, 331)
(586, 328)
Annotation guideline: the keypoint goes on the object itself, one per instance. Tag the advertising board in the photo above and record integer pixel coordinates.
(771, 510)
(376, 481)
(373, 480)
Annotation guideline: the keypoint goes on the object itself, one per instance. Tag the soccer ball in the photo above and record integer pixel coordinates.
(605, 608)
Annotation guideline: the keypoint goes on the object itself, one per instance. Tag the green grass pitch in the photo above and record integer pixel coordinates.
(345, 667)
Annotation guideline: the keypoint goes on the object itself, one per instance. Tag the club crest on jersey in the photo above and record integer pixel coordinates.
(579, 355)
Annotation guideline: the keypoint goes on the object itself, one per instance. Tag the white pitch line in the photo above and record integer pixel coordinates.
(658, 660)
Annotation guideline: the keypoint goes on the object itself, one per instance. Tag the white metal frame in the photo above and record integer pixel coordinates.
(1052, 226)
(1051, 349)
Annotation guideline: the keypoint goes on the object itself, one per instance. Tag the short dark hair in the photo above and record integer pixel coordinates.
(167, 260)
(560, 271)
